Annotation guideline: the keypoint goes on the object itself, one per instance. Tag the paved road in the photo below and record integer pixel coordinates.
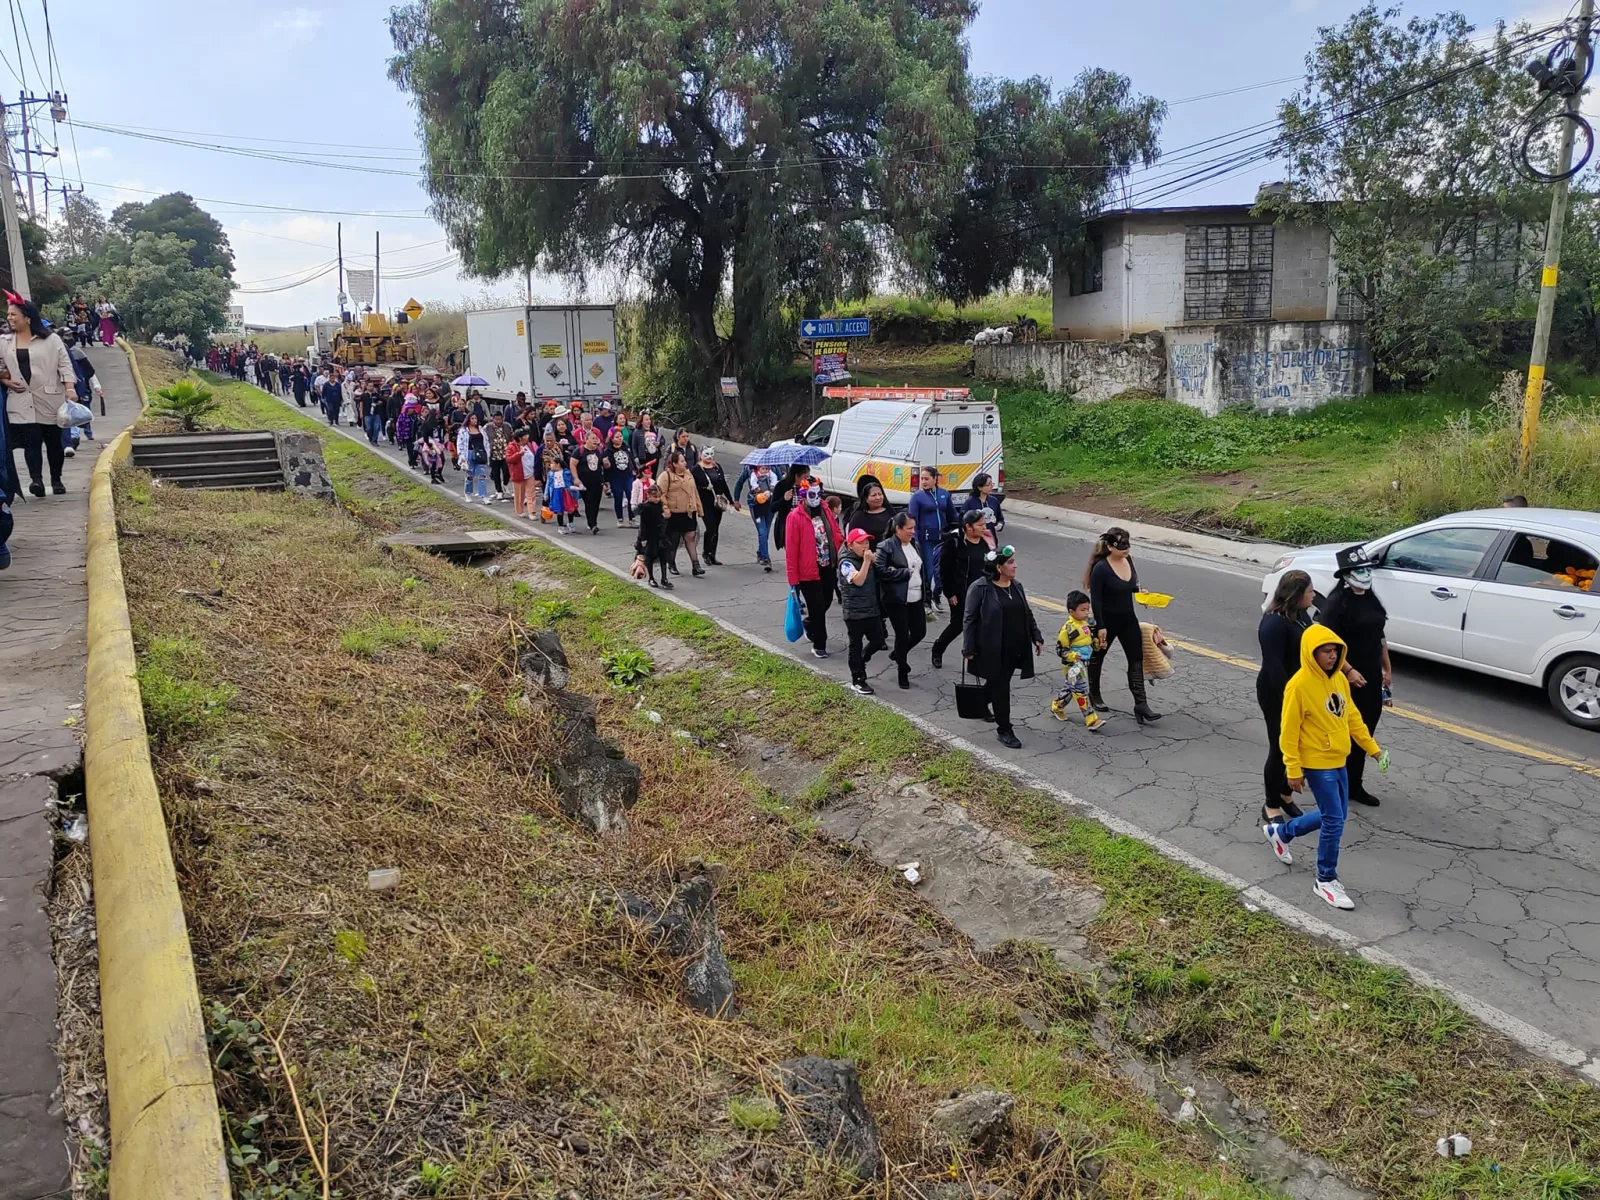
(1481, 869)
(42, 658)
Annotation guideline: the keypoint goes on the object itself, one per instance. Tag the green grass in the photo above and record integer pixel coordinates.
(754, 1114)
(372, 638)
(1350, 469)
(177, 701)
(917, 320)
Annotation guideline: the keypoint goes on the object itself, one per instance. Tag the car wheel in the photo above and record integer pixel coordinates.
(1574, 688)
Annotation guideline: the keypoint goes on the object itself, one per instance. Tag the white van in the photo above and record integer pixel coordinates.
(891, 433)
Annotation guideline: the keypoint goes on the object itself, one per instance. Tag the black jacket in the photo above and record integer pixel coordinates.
(982, 625)
(960, 565)
(893, 571)
(858, 601)
(652, 529)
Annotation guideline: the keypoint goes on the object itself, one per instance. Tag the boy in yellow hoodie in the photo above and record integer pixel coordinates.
(1320, 721)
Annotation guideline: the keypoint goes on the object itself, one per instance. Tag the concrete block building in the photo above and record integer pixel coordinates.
(1247, 310)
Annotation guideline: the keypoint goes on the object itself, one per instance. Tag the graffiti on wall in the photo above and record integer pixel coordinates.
(1297, 372)
(1274, 366)
(1191, 367)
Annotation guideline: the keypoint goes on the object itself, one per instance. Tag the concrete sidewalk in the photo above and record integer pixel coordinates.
(42, 657)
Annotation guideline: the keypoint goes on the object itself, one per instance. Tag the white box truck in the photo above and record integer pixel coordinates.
(561, 353)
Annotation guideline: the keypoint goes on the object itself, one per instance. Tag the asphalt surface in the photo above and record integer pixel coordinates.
(1481, 869)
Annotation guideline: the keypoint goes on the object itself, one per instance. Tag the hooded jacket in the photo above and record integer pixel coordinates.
(1319, 718)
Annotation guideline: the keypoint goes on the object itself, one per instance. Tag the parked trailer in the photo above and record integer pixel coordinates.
(551, 352)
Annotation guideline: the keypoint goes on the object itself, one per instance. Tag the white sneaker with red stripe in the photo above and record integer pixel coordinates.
(1333, 892)
(1278, 846)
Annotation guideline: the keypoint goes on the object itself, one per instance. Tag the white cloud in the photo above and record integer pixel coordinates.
(295, 24)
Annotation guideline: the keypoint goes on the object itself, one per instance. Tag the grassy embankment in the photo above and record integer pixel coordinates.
(1348, 470)
(321, 708)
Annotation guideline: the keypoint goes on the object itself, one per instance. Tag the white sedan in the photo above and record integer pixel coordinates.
(1505, 591)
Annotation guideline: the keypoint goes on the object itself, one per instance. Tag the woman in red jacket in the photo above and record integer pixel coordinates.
(811, 551)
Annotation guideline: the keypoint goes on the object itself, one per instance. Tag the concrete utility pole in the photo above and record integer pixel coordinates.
(1533, 397)
(8, 201)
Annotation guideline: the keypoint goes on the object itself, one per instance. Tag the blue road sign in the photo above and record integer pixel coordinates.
(844, 327)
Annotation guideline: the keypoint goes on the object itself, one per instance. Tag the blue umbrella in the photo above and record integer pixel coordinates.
(785, 453)
(469, 381)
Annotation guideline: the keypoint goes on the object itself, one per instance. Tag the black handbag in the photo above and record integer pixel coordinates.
(972, 699)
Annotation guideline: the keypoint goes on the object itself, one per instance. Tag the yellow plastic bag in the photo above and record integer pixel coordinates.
(1152, 599)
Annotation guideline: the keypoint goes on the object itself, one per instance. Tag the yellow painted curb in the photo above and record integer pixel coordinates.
(166, 1138)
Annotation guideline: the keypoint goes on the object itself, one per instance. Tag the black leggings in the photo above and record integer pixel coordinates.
(910, 622)
(1369, 703)
(712, 516)
(1123, 630)
(40, 443)
(592, 500)
(1274, 776)
(952, 628)
(818, 597)
(1000, 698)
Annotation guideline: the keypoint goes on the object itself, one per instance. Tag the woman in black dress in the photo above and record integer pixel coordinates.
(1355, 613)
(1279, 633)
(998, 630)
(1111, 581)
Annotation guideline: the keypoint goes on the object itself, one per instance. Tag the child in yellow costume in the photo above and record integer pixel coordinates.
(1075, 645)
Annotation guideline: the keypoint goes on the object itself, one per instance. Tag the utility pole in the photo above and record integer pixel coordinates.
(1533, 397)
(8, 201)
(27, 153)
(340, 244)
(377, 271)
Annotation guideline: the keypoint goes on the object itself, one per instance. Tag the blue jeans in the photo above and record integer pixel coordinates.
(931, 550)
(1332, 791)
(480, 472)
(763, 527)
(374, 427)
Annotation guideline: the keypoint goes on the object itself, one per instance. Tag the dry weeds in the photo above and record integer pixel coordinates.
(491, 1028)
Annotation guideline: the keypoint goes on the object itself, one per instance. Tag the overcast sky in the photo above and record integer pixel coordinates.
(311, 78)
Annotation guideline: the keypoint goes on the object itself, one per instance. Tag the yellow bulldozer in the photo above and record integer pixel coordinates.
(375, 342)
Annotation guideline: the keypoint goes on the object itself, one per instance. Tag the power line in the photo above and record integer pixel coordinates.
(251, 206)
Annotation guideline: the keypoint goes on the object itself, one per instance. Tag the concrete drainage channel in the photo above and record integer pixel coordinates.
(990, 889)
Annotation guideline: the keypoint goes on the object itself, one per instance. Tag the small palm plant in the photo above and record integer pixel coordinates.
(188, 401)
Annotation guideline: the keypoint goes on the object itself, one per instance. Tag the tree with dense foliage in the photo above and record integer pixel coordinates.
(1039, 165)
(747, 164)
(177, 213)
(157, 288)
(1404, 140)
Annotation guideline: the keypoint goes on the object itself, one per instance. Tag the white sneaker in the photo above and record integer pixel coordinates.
(1278, 846)
(1333, 892)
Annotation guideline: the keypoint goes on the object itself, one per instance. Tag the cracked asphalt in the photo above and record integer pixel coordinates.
(1481, 868)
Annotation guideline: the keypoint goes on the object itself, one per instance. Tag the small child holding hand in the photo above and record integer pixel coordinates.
(1075, 646)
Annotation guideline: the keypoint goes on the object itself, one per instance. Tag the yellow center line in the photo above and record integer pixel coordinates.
(1409, 714)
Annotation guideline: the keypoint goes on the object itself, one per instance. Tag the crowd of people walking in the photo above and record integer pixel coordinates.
(43, 367)
(1322, 687)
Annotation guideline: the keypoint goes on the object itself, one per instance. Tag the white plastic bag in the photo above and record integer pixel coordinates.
(72, 413)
